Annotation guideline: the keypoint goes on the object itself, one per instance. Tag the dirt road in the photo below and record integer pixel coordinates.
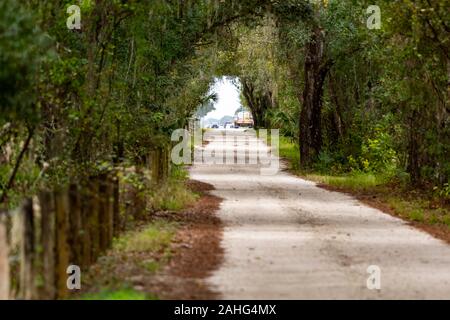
(286, 238)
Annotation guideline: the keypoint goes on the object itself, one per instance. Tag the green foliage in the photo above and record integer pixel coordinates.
(173, 195)
(377, 154)
(356, 181)
(155, 237)
(151, 266)
(325, 161)
(120, 294)
(289, 150)
(443, 191)
(417, 215)
(22, 49)
(113, 91)
(377, 150)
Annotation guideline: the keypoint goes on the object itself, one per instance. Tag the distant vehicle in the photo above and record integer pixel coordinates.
(215, 126)
(229, 125)
(244, 119)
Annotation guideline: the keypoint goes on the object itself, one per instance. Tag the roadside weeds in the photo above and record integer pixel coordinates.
(167, 257)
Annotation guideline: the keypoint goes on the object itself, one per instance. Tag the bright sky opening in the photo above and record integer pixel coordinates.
(228, 99)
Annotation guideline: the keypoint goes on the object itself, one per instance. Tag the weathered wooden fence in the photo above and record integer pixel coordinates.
(53, 230)
(68, 226)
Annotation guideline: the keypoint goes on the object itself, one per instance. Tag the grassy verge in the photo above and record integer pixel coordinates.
(154, 237)
(120, 294)
(138, 253)
(289, 151)
(173, 195)
(127, 270)
(421, 207)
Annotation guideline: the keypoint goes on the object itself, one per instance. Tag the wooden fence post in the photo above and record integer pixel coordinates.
(110, 210)
(76, 230)
(85, 231)
(27, 251)
(4, 261)
(74, 227)
(47, 204)
(62, 247)
(93, 220)
(116, 207)
(103, 219)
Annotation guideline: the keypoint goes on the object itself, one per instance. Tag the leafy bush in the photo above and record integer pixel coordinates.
(443, 191)
(325, 161)
(377, 153)
(22, 48)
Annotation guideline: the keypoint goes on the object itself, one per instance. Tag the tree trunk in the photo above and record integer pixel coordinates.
(336, 116)
(413, 151)
(258, 104)
(315, 71)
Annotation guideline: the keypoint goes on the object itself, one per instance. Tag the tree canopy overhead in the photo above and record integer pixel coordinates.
(354, 98)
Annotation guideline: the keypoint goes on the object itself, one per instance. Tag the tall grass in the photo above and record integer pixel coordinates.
(354, 181)
(120, 294)
(155, 237)
(173, 194)
(289, 150)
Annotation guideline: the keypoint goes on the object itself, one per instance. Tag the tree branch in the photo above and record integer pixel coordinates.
(17, 165)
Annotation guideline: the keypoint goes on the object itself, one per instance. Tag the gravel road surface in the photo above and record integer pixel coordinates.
(286, 238)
